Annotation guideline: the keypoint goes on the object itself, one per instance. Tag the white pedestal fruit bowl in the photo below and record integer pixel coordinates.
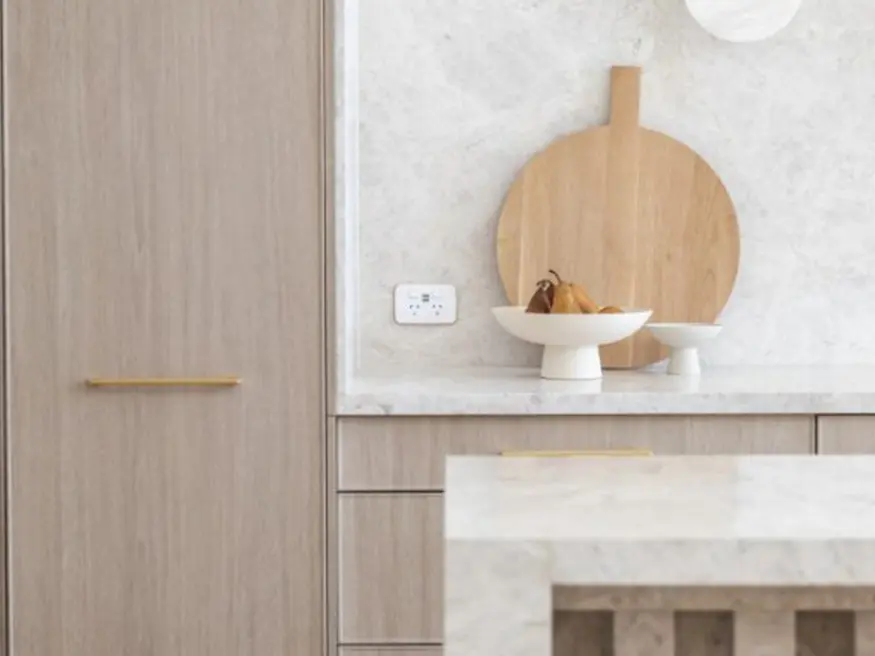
(571, 341)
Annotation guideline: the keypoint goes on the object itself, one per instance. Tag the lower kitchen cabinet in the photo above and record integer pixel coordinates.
(391, 564)
(408, 453)
(390, 506)
(846, 435)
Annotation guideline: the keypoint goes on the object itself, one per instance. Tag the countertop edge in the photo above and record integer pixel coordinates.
(810, 390)
(663, 404)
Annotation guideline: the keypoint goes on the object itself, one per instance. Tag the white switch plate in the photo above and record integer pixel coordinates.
(425, 304)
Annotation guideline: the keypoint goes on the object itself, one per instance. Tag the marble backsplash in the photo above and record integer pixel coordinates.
(442, 101)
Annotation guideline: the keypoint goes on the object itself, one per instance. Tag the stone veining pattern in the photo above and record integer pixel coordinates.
(514, 527)
(452, 97)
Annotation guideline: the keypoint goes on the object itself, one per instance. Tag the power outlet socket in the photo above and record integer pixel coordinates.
(425, 304)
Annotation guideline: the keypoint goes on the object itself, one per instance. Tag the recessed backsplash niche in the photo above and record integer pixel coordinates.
(441, 102)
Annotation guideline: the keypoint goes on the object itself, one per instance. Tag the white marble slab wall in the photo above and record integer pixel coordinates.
(442, 101)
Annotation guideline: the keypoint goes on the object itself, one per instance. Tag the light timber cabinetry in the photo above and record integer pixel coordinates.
(846, 435)
(165, 219)
(408, 453)
(397, 539)
(390, 479)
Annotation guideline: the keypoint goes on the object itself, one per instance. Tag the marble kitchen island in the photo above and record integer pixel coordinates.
(642, 537)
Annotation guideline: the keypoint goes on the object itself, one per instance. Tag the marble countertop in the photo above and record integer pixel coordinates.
(768, 520)
(725, 390)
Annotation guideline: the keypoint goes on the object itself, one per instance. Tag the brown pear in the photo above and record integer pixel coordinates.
(563, 300)
(610, 309)
(583, 299)
(542, 299)
(584, 302)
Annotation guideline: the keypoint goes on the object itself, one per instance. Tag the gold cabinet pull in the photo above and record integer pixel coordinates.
(215, 381)
(593, 453)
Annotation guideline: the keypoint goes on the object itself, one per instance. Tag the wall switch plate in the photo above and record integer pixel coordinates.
(425, 304)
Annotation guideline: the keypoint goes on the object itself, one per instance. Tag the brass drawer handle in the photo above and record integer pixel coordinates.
(216, 381)
(592, 453)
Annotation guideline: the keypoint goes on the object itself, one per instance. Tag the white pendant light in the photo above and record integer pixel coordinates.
(743, 20)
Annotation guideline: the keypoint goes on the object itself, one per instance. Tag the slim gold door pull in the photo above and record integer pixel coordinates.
(215, 381)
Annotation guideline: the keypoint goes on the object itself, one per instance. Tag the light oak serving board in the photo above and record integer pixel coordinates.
(636, 217)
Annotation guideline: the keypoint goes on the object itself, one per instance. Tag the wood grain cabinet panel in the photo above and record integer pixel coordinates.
(846, 435)
(409, 453)
(165, 219)
(391, 544)
(391, 568)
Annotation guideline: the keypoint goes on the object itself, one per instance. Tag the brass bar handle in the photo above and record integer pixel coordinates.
(592, 453)
(215, 381)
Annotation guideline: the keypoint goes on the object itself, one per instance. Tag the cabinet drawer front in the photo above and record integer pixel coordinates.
(391, 568)
(408, 453)
(846, 435)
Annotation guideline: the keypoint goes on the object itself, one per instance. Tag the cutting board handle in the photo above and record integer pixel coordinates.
(625, 96)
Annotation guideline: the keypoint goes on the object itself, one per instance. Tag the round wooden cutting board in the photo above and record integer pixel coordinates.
(637, 218)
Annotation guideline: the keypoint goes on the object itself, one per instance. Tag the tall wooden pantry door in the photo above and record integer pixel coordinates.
(164, 221)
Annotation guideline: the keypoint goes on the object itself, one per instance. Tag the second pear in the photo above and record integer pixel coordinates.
(563, 300)
(586, 304)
